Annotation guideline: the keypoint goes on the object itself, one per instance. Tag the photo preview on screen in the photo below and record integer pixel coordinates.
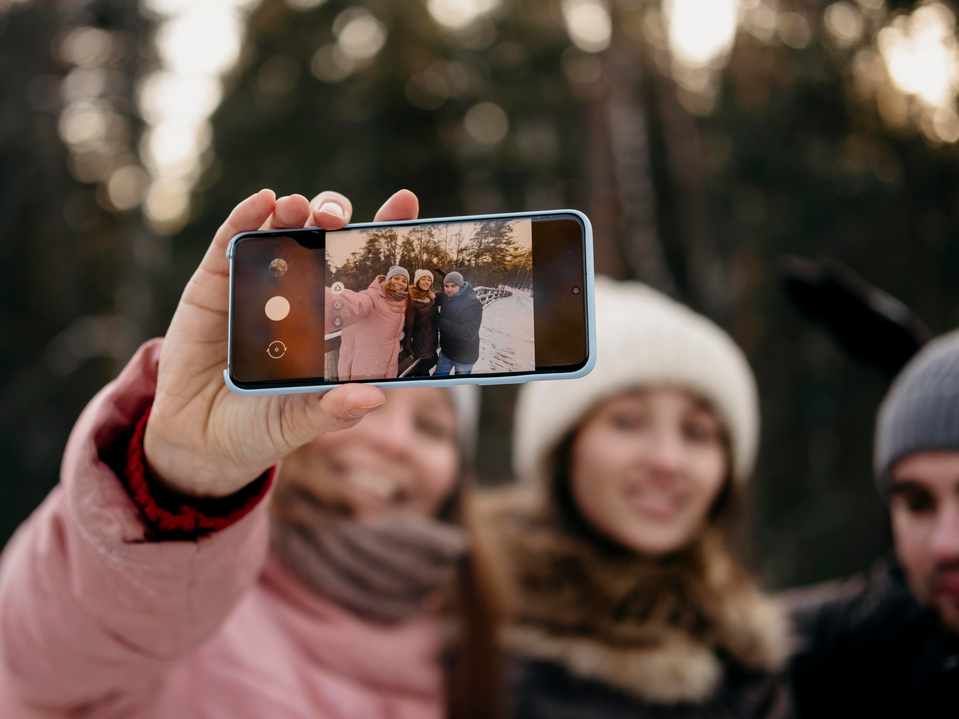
(431, 299)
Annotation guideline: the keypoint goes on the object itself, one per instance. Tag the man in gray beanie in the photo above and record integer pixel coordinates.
(461, 314)
(889, 646)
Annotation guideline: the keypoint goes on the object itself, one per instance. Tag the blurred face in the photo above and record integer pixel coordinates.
(451, 289)
(402, 458)
(647, 467)
(398, 283)
(425, 282)
(925, 523)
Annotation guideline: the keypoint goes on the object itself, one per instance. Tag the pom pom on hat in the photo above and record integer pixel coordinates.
(644, 339)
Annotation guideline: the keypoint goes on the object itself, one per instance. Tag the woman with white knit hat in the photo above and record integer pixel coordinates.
(628, 602)
(421, 333)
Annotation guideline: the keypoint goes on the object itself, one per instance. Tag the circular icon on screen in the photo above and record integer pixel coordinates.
(277, 308)
(276, 349)
(278, 267)
(337, 288)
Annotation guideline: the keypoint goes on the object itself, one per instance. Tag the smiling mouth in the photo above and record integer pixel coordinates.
(375, 489)
(652, 502)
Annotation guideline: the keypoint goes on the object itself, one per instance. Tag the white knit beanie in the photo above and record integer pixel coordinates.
(420, 274)
(643, 339)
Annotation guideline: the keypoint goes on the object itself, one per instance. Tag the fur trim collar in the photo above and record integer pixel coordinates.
(418, 295)
(660, 629)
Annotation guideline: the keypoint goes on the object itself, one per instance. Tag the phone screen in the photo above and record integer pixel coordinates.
(488, 297)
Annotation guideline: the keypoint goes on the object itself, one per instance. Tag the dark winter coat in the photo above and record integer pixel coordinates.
(600, 632)
(868, 649)
(420, 334)
(460, 318)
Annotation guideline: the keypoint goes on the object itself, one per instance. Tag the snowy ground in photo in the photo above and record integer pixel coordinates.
(506, 335)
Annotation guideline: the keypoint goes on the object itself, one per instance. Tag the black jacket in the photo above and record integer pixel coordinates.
(460, 319)
(868, 649)
(420, 332)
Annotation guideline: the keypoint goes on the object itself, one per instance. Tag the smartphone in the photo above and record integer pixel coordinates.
(487, 299)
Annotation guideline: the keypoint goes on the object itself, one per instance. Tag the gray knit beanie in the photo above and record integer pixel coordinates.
(921, 409)
(455, 277)
(397, 270)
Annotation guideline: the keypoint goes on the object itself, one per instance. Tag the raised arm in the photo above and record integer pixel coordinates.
(158, 525)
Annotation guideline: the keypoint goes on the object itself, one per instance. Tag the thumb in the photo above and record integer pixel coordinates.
(307, 416)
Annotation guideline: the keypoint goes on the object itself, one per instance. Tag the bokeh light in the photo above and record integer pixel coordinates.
(701, 32)
(126, 187)
(588, 23)
(197, 44)
(921, 56)
(460, 14)
(359, 33)
(843, 22)
(487, 123)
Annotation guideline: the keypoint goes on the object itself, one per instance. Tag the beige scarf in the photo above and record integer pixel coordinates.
(385, 571)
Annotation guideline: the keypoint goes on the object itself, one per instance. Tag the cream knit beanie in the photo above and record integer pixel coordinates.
(643, 339)
(420, 274)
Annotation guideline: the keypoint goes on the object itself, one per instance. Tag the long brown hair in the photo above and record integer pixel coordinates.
(476, 679)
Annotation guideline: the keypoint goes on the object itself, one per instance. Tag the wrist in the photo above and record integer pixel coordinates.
(184, 471)
(175, 515)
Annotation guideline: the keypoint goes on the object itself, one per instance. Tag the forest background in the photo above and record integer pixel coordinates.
(486, 253)
(706, 139)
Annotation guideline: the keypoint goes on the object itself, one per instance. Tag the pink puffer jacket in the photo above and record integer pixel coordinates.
(99, 620)
(372, 327)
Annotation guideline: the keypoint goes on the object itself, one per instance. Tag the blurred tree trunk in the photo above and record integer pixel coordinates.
(626, 132)
(708, 286)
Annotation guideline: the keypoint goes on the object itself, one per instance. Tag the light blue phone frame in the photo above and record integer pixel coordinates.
(454, 379)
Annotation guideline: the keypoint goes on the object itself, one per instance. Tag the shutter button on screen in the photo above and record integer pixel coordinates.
(277, 308)
(276, 349)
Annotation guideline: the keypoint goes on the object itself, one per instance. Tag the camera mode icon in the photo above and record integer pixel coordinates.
(276, 349)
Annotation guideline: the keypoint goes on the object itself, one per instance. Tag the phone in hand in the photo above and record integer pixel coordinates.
(487, 299)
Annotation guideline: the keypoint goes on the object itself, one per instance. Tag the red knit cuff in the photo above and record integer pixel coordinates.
(176, 514)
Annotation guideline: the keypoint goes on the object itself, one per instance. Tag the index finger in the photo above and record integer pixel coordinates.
(403, 205)
(249, 215)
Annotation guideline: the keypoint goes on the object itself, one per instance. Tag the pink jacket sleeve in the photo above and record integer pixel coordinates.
(92, 612)
(348, 306)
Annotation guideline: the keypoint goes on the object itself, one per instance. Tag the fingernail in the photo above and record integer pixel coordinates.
(331, 208)
(357, 412)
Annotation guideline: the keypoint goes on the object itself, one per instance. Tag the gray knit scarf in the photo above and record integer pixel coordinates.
(383, 572)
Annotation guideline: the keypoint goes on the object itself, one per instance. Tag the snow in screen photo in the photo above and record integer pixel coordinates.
(434, 299)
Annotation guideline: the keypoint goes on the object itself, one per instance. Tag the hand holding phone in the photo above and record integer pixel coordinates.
(203, 440)
(489, 299)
